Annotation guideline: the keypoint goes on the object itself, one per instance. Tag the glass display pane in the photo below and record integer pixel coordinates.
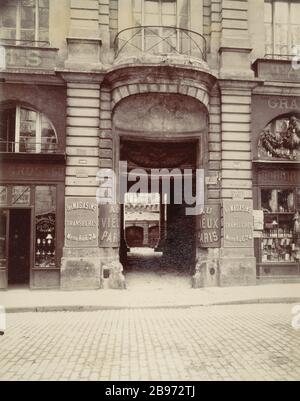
(28, 14)
(49, 141)
(21, 195)
(281, 12)
(8, 18)
(44, 3)
(183, 7)
(43, 17)
(279, 241)
(152, 19)
(28, 35)
(183, 22)
(7, 129)
(275, 200)
(268, 12)
(3, 195)
(152, 6)
(43, 35)
(169, 7)
(3, 227)
(137, 6)
(295, 12)
(137, 19)
(28, 131)
(169, 20)
(45, 226)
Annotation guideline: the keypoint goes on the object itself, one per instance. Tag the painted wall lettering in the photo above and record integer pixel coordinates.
(238, 223)
(81, 223)
(109, 236)
(209, 227)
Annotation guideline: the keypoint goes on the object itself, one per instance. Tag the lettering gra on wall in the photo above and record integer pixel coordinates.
(284, 103)
(81, 222)
(209, 227)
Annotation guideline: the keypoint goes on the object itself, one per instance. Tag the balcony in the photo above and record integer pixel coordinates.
(27, 55)
(160, 44)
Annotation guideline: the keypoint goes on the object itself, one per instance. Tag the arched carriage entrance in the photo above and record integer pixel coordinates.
(162, 139)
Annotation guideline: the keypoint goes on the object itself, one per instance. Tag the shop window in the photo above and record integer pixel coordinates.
(282, 27)
(45, 226)
(23, 22)
(280, 241)
(26, 131)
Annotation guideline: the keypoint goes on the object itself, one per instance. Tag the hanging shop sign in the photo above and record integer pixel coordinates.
(209, 227)
(238, 223)
(109, 230)
(81, 222)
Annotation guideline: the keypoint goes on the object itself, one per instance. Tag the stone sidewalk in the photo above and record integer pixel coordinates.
(19, 300)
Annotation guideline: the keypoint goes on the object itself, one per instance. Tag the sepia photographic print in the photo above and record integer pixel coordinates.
(149, 193)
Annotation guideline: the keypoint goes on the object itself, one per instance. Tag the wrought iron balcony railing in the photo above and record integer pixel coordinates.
(160, 40)
(28, 147)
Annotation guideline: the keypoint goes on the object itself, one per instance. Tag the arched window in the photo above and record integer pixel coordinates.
(23, 130)
(280, 139)
(24, 21)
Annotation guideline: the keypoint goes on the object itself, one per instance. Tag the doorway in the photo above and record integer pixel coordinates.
(19, 247)
(158, 237)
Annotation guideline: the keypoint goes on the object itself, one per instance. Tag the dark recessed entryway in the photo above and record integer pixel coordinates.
(158, 237)
(19, 247)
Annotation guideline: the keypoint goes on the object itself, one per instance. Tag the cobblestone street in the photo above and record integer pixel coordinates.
(250, 342)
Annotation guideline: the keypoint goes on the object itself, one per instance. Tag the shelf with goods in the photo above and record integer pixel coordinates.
(280, 240)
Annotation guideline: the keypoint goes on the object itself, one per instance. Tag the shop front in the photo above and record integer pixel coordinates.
(32, 182)
(31, 212)
(276, 129)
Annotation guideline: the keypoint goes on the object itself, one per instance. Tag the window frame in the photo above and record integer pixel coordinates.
(160, 16)
(38, 132)
(18, 39)
(275, 44)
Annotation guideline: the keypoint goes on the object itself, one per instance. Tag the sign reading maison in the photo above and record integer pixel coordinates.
(238, 223)
(81, 222)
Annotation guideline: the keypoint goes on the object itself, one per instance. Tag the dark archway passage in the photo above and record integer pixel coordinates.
(162, 243)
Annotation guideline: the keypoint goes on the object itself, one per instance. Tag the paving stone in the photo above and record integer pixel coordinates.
(245, 342)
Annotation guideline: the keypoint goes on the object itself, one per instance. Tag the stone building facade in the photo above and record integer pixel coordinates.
(174, 84)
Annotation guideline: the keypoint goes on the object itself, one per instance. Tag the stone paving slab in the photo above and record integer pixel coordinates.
(244, 342)
(26, 300)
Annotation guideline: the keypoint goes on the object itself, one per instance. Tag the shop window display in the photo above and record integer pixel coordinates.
(281, 236)
(45, 223)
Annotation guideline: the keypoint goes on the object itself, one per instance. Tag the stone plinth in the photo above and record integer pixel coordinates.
(237, 267)
(81, 269)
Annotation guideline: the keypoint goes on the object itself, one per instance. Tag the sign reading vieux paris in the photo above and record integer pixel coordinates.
(238, 223)
(81, 222)
(109, 226)
(209, 227)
